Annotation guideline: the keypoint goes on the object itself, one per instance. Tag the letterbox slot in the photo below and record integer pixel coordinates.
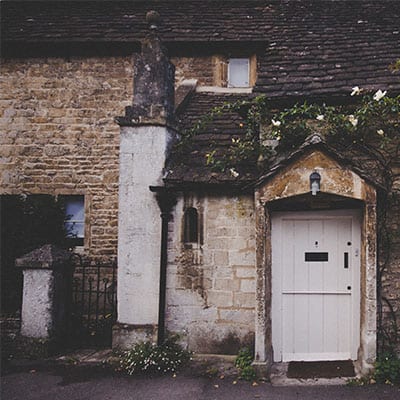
(316, 257)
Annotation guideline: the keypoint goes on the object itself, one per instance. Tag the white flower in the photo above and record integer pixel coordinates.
(234, 173)
(379, 94)
(355, 91)
(276, 123)
(320, 117)
(380, 132)
(353, 120)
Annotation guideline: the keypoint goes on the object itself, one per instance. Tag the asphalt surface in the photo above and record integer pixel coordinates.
(71, 382)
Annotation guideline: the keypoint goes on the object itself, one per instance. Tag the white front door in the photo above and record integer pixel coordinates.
(315, 285)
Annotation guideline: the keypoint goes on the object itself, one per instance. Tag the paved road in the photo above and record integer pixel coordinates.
(96, 383)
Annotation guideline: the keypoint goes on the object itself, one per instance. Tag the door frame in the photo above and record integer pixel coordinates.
(290, 180)
(276, 289)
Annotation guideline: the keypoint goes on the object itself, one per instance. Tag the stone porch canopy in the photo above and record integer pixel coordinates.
(286, 187)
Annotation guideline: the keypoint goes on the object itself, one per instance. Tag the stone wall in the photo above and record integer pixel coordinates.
(200, 68)
(390, 263)
(211, 284)
(59, 135)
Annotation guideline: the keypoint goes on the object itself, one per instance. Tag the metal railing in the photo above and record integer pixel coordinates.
(94, 305)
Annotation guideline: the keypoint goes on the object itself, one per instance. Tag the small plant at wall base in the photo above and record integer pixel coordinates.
(243, 363)
(387, 369)
(148, 357)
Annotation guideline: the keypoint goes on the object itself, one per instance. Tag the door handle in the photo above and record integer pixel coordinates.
(346, 260)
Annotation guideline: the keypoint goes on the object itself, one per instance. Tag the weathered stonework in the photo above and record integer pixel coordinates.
(146, 140)
(211, 285)
(59, 136)
(200, 68)
(46, 293)
(338, 180)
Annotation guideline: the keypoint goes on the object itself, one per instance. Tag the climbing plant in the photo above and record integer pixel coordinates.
(369, 125)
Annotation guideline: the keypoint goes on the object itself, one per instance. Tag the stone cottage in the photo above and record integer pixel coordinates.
(247, 257)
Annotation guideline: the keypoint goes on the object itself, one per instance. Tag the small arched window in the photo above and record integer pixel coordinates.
(191, 227)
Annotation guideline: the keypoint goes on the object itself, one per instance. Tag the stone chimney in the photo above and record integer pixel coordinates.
(154, 78)
(146, 137)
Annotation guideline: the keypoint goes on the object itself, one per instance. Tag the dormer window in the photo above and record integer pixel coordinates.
(238, 72)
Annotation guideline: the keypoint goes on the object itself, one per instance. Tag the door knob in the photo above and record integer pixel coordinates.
(348, 287)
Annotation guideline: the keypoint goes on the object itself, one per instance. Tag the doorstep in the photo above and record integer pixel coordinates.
(278, 377)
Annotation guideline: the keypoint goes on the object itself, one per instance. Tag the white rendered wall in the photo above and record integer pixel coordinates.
(143, 151)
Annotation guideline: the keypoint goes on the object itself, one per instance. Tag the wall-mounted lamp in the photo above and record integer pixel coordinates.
(315, 182)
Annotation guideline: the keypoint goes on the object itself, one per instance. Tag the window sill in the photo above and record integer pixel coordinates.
(218, 89)
(191, 245)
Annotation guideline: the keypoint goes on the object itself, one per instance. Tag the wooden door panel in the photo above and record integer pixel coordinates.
(313, 297)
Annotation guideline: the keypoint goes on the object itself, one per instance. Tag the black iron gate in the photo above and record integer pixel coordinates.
(94, 305)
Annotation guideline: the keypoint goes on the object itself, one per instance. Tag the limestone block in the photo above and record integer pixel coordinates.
(221, 258)
(245, 272)
(248, 285)
(242, 257)
(227, 284)
(222, 272)
(246, 317)
(220, 298)
(244, 300)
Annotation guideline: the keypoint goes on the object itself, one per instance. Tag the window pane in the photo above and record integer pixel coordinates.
(75, 216)
(74, 209)
(75, 229)
(238, 72)
(191, 225)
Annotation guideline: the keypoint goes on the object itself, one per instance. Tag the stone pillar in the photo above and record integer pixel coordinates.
(46, 292)
(367, 352)
(263, 344)
(146, 137)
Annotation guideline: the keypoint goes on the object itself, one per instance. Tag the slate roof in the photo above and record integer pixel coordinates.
(313, 47)
(189, 165)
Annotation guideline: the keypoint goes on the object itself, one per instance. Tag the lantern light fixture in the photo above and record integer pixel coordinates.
(315, 183)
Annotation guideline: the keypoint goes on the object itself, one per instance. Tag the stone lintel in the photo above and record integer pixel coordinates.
(48, 256)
